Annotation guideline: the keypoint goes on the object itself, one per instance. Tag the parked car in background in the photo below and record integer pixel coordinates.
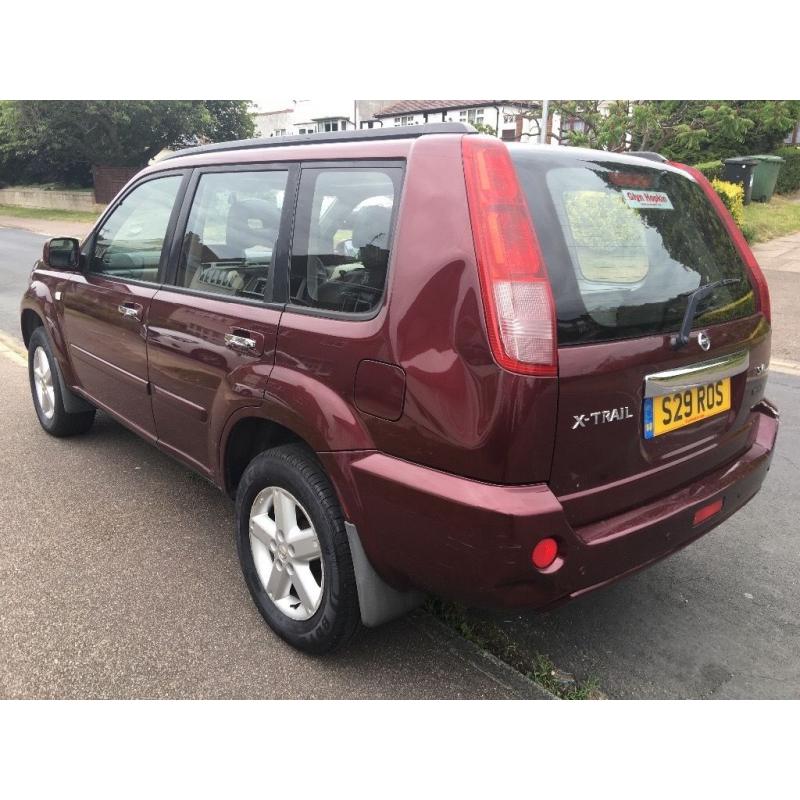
(420, 360)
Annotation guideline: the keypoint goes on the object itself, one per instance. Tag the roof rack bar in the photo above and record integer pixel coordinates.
(364, 135)
(649, 154)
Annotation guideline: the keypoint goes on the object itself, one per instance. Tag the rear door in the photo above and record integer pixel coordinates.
(106, 306)
(626, 245)
(212, 328)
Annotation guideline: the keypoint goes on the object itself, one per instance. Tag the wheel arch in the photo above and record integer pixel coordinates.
(244, 439)
(30, 320)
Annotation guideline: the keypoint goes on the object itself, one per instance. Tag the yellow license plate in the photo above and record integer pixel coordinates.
(669, 412)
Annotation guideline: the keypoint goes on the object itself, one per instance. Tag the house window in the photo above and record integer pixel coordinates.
(407, 119)
(508, 119)
(307, 130)
(330, 126)
(472, 115)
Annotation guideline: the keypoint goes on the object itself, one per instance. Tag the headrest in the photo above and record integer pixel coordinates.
(252, 222)
(371, 227)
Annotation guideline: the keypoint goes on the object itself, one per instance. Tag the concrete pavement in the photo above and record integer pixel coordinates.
(780, 260)
(47, 227)
(119, 579)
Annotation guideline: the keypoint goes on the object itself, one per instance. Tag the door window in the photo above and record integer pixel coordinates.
(130, 241)
(342, 239)
(232, 232)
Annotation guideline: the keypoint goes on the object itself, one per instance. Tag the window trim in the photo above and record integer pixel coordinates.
(280, 257)
(91, 239)
(398, 166)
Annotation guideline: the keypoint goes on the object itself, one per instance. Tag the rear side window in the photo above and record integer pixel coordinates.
(625, 246)
(231, 233)
(342, 238)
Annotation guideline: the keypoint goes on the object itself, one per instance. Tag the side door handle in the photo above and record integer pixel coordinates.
(244, 341)
(133, 310)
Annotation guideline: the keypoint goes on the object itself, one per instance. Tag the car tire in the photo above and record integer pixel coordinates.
(46, 382)
(305, 590)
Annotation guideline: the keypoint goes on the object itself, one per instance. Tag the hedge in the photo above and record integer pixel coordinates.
(732, 194)
(711, 169)
(789, 176)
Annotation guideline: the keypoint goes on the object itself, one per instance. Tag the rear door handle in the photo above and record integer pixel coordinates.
(232, 340)
(246, 341)
(133, 310)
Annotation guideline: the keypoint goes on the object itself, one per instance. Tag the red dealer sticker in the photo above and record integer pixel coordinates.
(640, 198)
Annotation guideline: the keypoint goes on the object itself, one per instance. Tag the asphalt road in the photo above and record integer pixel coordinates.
(721, 618)
(18, 250)
(118, 578)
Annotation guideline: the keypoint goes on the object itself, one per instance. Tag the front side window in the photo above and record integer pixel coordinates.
(231, 233)
(342, 238)
(129, 243)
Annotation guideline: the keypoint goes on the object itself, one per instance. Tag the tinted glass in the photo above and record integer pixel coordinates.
(231, 233)
(340, 252)
(626, 245)
(130, 241)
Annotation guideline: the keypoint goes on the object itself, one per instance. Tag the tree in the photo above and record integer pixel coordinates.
(687, 130)
(481, 128)
(59, 140)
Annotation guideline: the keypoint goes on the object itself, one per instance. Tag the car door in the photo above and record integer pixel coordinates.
(106, 305)
(212, 329)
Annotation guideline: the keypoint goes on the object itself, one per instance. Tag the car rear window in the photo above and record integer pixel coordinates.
(626, 244)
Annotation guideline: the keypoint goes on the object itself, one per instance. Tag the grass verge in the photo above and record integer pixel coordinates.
(490, 637)
(48, 213)
(765, 221)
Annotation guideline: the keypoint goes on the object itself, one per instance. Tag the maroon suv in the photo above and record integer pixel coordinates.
(422, 360)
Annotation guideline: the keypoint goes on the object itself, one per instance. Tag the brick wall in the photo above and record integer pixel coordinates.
(109, 180)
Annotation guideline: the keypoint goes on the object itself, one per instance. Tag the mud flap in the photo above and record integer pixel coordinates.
(377, 601)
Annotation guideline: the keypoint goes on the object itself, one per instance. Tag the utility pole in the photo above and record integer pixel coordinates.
(543, 125)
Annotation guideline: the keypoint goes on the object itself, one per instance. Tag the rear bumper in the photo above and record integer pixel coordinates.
(471, 541)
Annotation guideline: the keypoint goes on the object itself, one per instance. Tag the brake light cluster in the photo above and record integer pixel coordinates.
(517, 298)
(762, 290)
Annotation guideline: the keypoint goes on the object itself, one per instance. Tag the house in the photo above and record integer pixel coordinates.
(310, 116)
(512, 120)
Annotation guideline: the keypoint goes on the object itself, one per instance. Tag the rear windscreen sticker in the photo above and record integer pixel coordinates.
(637, 198)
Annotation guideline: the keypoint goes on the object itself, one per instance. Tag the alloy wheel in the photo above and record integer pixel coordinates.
(43, 383)
(286, 553)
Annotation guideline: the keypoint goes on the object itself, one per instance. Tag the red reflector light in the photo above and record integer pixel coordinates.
(515, 287)
(702, 514)
(544, 554)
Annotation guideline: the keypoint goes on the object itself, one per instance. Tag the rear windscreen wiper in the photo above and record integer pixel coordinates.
(682, 339)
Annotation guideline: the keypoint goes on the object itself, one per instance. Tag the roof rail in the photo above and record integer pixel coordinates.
(647, 154)
(365, 135)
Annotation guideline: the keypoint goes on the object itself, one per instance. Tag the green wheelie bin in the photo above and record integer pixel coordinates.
(765, 176)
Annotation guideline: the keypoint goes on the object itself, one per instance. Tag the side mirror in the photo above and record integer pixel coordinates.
(62, 253)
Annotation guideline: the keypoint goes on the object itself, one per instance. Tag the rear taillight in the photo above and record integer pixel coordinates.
(517, 298)
(738, 239)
